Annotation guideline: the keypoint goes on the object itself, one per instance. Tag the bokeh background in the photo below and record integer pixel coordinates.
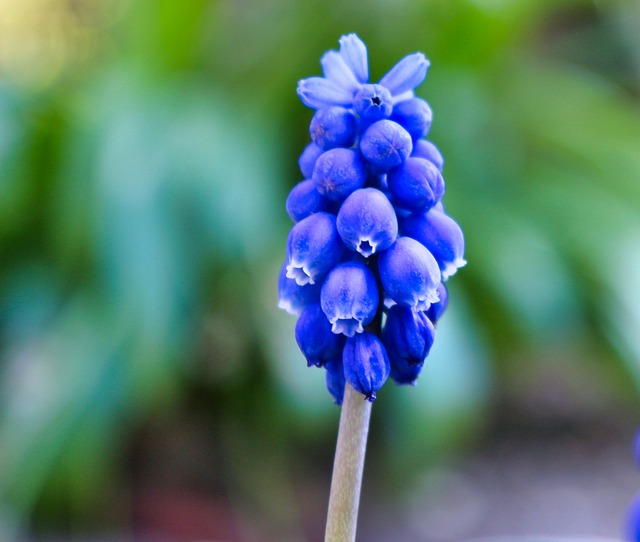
(149, 388)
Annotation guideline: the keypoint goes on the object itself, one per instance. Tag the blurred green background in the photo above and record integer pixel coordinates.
(149, 387)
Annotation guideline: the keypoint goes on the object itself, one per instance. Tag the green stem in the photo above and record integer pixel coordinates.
(342, 518)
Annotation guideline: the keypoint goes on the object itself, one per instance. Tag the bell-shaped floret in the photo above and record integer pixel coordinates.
(366, 364)
(427, 150)
(416, 184)
(315, 338)
(386, 144)
(308, 158)
(436, 310)
(402, 372)
(333, 127)
(367, 222)
(408, 334)
(318, 92)
(292, 297)
(338, 172)
(409, 274)
(414, 115)
(441, 235)
(334, 378)
(349, 298)
(304, 200)
(372, 103)
(406, 74)
(313, 248)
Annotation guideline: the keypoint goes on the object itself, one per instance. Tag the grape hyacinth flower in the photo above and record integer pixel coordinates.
(370, 248)
(369, 221)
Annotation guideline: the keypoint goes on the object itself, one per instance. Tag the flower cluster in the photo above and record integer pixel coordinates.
(371, 246)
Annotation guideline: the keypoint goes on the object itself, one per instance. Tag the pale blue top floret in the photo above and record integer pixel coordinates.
(347, 70)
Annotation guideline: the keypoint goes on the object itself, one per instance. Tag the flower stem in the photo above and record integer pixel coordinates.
(347, 468)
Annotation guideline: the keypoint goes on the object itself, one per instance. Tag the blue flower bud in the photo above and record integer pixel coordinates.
(408, 334)
(318, 92)
(409, 274)
(427, 150)
(406, 74)
(304, 200)
(313, 248)
(366, 364)
(414, 116)
(386, 144)
(333, 127)
(315, 338)
(354, 53)
(416, 184)
(349, 297)
(338, 172)
(403, 372)
(372, 103)
(367, 222)
(441, 235)
(436, 310)
(334, 378)
(307, 160)
(292, 297)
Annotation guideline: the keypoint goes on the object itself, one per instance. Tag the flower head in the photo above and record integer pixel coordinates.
(346, 72)
(370, 226)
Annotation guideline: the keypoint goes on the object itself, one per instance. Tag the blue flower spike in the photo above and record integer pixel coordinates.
(371, 245)
(349, 298)
(367, 222)
(366, 364)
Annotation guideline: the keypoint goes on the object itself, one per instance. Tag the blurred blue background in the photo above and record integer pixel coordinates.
(149, 387)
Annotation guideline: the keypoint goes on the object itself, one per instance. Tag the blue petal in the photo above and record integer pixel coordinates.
(632, 521)
(354, 53)
(318, 92)
(436, 310)
(406, 74)
(366, 364)
(427, 150)
(336, 70)
(416, 184)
